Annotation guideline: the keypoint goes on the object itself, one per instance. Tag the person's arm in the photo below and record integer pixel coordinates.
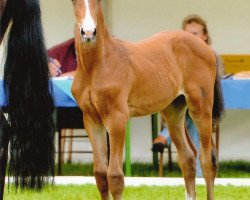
(63, 59)
(54, 68)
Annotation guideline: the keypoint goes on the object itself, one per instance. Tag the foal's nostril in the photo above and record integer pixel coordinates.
(82, 32)
(88, 35)
(94, 33)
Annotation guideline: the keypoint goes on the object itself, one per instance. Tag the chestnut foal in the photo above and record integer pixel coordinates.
(115, 80)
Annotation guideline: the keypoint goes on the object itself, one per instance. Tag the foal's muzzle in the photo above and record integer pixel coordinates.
(88, 36)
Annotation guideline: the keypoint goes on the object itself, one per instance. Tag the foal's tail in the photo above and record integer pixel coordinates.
(27, 88)
(218, 106)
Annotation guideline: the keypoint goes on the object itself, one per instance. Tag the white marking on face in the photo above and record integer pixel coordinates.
(88, 23)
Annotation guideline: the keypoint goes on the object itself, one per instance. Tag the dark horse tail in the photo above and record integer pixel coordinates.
(218, 111)
(27, 89)
(218, 106)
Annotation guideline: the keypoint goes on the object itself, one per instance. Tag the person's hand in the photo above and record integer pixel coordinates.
(54, 67)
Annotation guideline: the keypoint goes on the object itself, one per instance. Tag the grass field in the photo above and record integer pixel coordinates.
(89, 192)
(230, 169)
(238, 169)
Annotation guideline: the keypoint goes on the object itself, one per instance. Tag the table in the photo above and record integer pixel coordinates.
(61, 90)
(236, 93)
(236, 96)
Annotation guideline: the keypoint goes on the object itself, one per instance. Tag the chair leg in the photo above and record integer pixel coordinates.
(70, 146)
(170, 162)
(63, 134)
(161, 165)
(4, 142)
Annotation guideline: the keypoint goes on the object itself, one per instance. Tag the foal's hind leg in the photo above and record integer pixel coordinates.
(98, 138)
(200, 110)
(175, 114)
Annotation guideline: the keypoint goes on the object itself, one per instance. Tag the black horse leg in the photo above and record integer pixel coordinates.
(4, 141)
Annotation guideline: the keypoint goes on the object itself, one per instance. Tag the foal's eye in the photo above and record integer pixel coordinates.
(73, 1)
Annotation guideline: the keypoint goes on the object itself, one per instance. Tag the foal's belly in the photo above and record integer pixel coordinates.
(149, 104)
(153, 93)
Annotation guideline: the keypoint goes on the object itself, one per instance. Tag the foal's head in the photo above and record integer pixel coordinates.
(86, 12)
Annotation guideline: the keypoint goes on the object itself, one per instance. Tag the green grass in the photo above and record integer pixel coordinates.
(230, 169)
(236, 169)
(89, 192)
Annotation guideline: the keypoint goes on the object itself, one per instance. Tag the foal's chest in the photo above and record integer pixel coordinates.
(86, 102)
(86, 99)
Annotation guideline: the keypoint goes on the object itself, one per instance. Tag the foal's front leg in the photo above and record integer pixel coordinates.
(4, 141)
(115, 123)
(98, 138)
